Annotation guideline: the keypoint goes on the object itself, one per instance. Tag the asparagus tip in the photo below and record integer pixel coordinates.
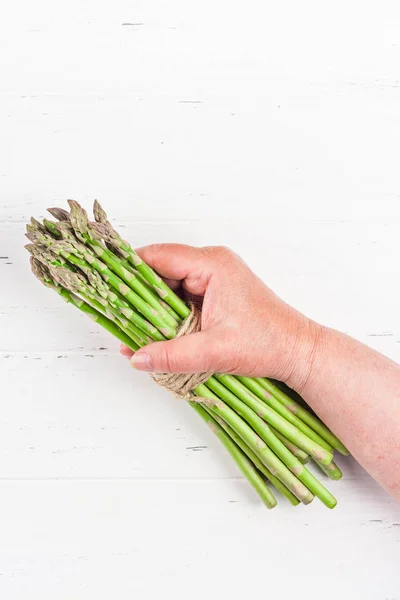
(59, 213)
(79, 218)
(52, 228)
(36, 225)
(41, 272)
(31, 234)
(100, 214)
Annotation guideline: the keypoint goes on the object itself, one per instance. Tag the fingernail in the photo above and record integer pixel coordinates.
(143, 362)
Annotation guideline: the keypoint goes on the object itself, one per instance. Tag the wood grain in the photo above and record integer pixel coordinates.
(270, 128)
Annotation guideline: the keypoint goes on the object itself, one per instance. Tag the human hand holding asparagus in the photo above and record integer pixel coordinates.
(248, 330)
(245, 330)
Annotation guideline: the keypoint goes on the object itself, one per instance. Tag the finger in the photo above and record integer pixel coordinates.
(194, 353)
(180, 263)
(125, 351)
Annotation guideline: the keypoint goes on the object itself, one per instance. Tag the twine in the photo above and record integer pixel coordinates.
(182, 384)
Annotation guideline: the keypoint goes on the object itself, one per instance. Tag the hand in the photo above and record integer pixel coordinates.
(246, 329)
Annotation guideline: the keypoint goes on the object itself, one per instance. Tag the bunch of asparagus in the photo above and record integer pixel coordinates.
(269, 434)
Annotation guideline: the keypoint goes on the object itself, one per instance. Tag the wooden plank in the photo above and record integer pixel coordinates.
(269, 128)
(90, 415)
(340, 274)
(171, 116)
(75, 415)
(177, 539)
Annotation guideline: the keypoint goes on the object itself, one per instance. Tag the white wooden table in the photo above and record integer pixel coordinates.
(272, 128)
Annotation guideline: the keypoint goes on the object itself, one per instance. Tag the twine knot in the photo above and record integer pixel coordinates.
(182, 384)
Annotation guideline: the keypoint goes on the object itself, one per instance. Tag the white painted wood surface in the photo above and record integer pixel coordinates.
(273, 128)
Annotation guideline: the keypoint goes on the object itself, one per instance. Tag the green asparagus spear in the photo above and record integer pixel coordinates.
(83, 306)
(244, 464)
(303, 414)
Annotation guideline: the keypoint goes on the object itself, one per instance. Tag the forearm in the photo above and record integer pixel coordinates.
(356, 392)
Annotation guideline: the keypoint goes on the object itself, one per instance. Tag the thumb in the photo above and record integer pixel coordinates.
(194, 353)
